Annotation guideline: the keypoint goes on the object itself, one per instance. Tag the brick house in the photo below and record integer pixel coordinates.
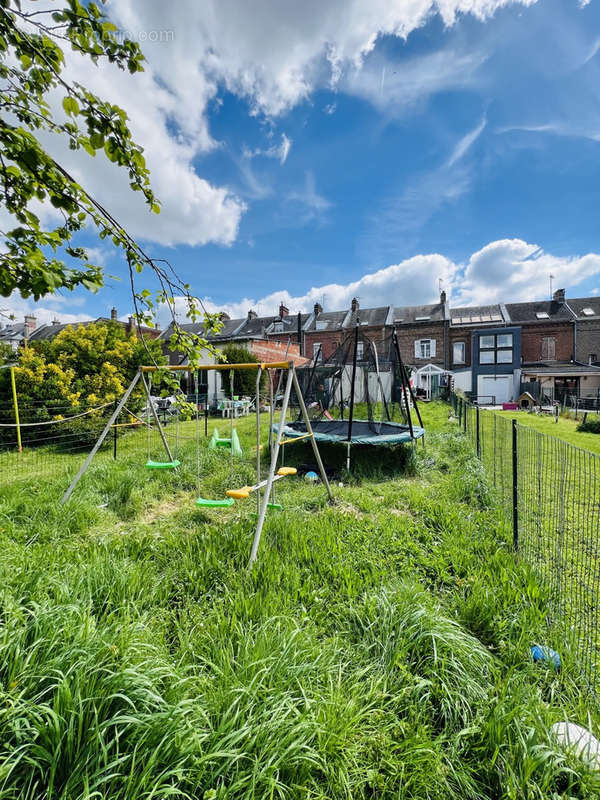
(423, 333)
(547, 329)
(587, 329)
(324, 332)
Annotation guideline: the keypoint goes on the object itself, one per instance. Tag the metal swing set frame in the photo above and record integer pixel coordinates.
(273, 475)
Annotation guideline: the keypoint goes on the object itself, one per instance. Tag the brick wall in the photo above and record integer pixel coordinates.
(532, 344)
(588, 340)
(267, 350)
(407, 336)
(330, 341)
(459, 335)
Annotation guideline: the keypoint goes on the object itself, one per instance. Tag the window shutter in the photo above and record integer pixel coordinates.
(417, 348)
(432, 346)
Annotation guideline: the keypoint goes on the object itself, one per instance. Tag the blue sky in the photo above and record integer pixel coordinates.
(367, 148)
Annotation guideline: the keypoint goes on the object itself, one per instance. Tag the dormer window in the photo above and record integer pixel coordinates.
(278, 327)
(421, 319)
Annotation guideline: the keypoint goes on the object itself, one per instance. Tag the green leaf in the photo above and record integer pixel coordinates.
(71, 106)
(97, 141)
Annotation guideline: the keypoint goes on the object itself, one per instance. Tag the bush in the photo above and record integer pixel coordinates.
(591, 425)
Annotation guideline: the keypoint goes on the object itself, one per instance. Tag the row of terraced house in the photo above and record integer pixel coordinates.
(492, 352)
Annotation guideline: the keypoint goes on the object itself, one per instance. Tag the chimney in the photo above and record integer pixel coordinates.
(30, 325)
(55, 321)
(442, 297)
(113, 313)
(318, 309)
(559, 296)
(252, 314)
(355, 305)
(224, 316)
(283, 311)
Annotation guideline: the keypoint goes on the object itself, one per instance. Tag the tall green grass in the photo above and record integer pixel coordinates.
(379, 649)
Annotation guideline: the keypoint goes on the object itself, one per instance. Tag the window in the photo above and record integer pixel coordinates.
(548, 348)
(360, 346)
(593, 357)
(458, 352)
(278, 327)
(321, 325)
(588, 312)
(421, 319)
(496, 348)
(317, 352)
(425, 348)
(542, 315)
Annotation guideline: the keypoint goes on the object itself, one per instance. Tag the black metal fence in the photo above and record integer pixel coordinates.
(550, 493)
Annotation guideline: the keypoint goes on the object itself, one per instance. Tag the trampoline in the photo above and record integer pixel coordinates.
(363, 431)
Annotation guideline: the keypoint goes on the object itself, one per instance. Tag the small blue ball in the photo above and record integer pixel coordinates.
(545, 654)
(311, 476)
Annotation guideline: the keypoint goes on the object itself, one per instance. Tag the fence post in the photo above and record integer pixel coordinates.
(16, 408)
(465, 416)
(477, 439)
(115, 434)
(515, 490)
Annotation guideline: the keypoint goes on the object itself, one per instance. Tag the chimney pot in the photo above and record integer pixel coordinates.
(113, 313)
(55, 321)
(283, 310)
(318, 309)
(355, 305)
(30, 325)
(442, 297)
(252, 314)
(559, 296)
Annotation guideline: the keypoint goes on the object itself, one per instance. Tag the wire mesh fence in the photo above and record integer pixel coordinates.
(549, 491)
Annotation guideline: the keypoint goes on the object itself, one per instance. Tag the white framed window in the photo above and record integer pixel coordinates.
(360, 351)
(593, 357)
(425, 348)
(317, 352)
(458, 352)
(278, 327)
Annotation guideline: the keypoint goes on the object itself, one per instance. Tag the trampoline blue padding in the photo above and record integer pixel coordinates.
(363, 431)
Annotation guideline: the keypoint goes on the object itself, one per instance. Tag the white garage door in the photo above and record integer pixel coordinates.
(498, 387)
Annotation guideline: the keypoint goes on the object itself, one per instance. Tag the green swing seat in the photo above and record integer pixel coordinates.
(203, 502)
(162, 464)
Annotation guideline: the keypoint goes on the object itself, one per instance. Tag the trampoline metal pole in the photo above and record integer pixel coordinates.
(351, 417)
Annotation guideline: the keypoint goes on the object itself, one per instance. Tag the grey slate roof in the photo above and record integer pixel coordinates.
(527, 312)
(328, 321)
(12, 332)
(404, 315)
(478, 315)
(50, 331)
(578, 304)
(368, 316)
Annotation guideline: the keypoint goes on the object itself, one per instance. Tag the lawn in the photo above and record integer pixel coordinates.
(565, 429)
(378, 649)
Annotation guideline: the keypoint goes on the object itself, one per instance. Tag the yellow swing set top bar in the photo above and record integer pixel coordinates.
(218, 367)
